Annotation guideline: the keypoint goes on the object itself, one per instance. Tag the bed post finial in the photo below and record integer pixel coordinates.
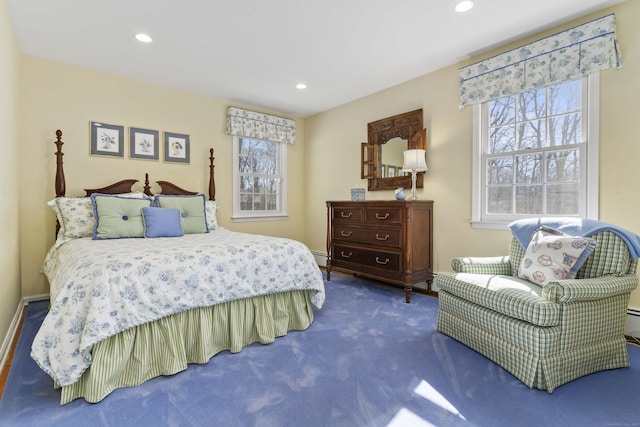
(60, 185)
(212, 180)
(147, 187)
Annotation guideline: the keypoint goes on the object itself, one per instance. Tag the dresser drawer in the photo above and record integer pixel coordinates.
(352, 214)
(370, 236)
(382, 215)
(348, 255)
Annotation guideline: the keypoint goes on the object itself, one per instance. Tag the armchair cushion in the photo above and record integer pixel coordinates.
(507, 295)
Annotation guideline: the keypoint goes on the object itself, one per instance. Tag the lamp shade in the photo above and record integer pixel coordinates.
(414, 160)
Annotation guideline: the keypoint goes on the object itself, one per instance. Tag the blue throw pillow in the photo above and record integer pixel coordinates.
(161, 222)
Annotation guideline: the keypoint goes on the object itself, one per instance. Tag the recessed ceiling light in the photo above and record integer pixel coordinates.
(301, 86)
(463, 6)
(143, 38)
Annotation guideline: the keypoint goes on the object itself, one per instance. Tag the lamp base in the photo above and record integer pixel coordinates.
(413, 185)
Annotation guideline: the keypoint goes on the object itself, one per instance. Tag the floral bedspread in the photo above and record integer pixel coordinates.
(102, 287)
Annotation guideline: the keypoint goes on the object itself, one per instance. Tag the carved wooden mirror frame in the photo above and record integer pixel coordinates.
(407, 126)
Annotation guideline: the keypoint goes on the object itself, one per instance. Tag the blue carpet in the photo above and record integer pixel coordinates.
(368, 359)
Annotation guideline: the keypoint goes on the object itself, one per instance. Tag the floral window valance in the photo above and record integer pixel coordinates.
(251, 124)
(569, 54)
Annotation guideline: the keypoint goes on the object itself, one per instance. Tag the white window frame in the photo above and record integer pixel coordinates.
(589, 167)
(280, 214)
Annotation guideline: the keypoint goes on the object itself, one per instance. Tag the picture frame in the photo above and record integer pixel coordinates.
(176, 147)
(144, 143)
(391, 171)
(107, 139)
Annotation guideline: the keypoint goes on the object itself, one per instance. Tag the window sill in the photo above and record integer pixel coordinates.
(256, 218)
(490, 225)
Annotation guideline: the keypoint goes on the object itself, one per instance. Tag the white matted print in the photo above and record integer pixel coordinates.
(143, 144)
(176, 147)
(107, 140)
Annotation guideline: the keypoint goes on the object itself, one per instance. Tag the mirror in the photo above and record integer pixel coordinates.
(382, 155)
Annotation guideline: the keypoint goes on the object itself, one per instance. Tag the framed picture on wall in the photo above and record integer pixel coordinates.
(143, 144)
(176, 147)
(107, 140)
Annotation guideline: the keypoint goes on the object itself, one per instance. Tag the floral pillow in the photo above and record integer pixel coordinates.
(211, 209)
(75, 216)
(553, 255)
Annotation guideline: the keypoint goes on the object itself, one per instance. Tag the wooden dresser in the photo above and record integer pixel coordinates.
(391, 241)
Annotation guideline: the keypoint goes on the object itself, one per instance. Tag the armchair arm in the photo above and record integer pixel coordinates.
(482, 265)
(596, 288)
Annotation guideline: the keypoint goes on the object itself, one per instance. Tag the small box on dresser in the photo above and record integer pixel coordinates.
(387, 240)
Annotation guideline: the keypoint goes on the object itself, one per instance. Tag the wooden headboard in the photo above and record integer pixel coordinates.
(125, 185)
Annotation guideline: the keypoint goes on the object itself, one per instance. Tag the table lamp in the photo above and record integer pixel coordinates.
(414, 162)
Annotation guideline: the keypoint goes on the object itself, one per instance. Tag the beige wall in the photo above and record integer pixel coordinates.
(9, 195)
(333, 143)
(58, 96)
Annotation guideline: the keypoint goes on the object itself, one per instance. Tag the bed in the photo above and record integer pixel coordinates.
(126, 309)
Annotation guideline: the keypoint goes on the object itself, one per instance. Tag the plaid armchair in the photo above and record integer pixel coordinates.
(545, 335)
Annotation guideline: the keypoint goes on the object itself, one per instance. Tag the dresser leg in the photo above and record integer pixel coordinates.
(407, 291)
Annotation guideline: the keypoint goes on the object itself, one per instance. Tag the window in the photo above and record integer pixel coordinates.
(259, 180)
(535, 154)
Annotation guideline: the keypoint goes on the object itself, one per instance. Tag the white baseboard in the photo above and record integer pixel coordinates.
(321, 258)
(632, 327)
(13, 327)
(11, 333)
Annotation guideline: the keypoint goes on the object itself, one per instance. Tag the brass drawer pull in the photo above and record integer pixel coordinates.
(343, 234)
(382, 239)
(342, 214)
(386, 261)
(342, 254)
(382, 217)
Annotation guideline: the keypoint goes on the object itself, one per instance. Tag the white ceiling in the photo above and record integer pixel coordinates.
(256, 51)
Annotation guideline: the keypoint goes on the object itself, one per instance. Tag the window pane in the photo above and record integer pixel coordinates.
(245, 164)
(246, 184)
(565, 129)
(246, 202)
(563, 166)
(562, 199)
(499, 200)
(531, 105)
(259, 202)
(500, 170)
(502, 139)
(565, 97)
(272, 202)
(502, 111)
(528, 168)
(532, 134)
(529, 199)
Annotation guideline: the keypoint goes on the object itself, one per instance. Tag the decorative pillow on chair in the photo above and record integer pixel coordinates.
(553, 255)
(161, 222)
(118, 217)
(192, 211)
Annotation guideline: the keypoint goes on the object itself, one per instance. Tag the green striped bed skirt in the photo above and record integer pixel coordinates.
(165, 346)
